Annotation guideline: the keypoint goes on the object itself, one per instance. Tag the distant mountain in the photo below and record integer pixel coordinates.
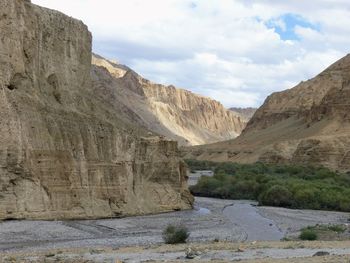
(166, 110)
(308, 124)
(245, 113)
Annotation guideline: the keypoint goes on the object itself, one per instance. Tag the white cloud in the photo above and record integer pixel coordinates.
(219, 48)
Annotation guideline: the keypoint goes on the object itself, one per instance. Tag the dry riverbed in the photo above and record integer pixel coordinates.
(138, 239)
(221, 231)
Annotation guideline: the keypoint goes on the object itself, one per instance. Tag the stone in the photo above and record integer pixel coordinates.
(321, 254)
(192, 253)
(64, 151)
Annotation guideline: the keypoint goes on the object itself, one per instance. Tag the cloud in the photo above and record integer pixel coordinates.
(236, 51)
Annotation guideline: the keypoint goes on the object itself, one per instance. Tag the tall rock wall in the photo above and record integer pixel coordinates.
(64, 153)
(175, 113)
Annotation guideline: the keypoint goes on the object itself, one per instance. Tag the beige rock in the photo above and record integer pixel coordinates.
(64, 152)
(308, 124)
(245, 113)
(175, 113)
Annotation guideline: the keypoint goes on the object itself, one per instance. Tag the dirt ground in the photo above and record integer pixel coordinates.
(257, 252)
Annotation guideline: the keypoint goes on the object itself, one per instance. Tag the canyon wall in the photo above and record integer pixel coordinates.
(65, 152)
(245, 113)
(175, 113)
(308, 124)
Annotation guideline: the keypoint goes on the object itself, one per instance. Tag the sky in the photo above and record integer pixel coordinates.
(235, 51)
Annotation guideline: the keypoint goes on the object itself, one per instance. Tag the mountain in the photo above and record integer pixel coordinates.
(308, 124)
(65, 151)
(245, 113)
(175, 113)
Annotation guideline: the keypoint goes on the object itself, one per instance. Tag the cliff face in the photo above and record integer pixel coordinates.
(64, 152)
(245, 113)
(308, 124)
(175, 113)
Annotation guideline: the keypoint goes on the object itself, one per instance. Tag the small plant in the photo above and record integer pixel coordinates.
(175, 234)
(337, 228)
(308, 234)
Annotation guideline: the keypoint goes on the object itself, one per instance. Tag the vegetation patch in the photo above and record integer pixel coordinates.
(323, 232)
(299, 187)
(175, 234)
(308, 234)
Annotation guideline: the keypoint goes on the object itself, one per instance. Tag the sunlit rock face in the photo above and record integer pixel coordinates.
(175, 113)
(64, 152)
(308, 124)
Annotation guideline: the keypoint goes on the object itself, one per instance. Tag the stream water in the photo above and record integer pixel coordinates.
(244, 215)
(255, 226)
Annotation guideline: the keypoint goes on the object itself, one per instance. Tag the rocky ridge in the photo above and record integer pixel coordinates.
(245, 113)
(64, 151)
(175, 113)
(308, 124)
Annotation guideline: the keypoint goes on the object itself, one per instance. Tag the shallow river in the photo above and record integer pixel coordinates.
(255, 226)
(244, 215)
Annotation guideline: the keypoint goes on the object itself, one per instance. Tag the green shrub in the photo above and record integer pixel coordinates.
(302, 187)
(277, 195)
(337, 228)
(308, 234)
(175, 234)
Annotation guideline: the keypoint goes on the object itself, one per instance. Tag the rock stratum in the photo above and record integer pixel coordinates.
(65, 152)
(308, 124)
(174, 113)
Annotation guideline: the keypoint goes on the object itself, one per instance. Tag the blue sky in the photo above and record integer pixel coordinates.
(285, 26)
(235, 51)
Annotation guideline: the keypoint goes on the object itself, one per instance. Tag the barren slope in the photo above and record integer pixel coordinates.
(175, 113)
(308, 124)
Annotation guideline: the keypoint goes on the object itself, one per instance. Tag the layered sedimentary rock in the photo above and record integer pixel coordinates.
(308, 124)
(175, 113)
(64, 151)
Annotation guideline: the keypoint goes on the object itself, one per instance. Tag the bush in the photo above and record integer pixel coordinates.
(175, 234)
(301, 187)
(337, 228)
(308, 234)
(277, 195)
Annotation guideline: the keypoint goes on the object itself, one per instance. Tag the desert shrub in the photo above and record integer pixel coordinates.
(308, 234)
(304, 187)
(277, 195)
(175, 234)
(337, 228)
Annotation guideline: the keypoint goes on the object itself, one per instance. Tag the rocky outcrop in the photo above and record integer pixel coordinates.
(64, 151)
(308, 124)
(175, 113)
(245, 113)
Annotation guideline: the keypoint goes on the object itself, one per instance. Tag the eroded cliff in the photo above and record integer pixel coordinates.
(175, 113)
(245, 113)
(308, 124)
(64, 151)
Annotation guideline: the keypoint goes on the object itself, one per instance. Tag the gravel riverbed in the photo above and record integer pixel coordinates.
(211, 220)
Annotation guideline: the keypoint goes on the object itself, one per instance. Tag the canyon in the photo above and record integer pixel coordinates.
(307, 125)
(65, 151)
(175, 113)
